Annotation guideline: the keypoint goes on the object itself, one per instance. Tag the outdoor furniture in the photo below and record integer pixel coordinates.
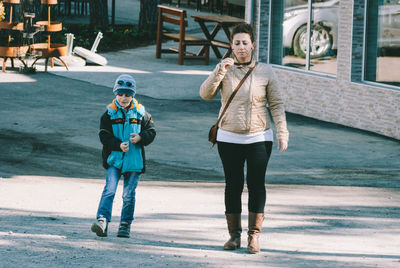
(10, 50)
(178, 17)
(49, 50)
(91, 55)
(221, 22)
(70, 59)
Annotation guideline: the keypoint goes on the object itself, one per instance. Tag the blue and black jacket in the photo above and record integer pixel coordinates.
(116, 126)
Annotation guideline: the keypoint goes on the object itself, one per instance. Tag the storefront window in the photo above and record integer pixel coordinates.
(313, 24)
(382, 55)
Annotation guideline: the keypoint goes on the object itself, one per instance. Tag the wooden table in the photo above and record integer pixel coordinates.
(221, 22)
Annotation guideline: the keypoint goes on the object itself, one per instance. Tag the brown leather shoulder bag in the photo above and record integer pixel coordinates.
(212, 134)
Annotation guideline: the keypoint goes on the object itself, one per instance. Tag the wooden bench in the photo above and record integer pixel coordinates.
(178, 17)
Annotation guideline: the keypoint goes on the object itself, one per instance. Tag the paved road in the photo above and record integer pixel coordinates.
(333, 197)
(45, 221)
(318, 213)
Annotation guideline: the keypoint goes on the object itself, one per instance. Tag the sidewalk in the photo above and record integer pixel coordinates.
(333, 198)
(181, 225)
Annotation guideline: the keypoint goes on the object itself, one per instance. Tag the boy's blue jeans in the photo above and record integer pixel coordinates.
(131, 180)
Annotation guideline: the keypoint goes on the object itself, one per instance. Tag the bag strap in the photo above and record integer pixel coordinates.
(234, 93)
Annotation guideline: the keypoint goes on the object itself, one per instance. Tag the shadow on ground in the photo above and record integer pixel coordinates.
(41, 237)
(52, 131)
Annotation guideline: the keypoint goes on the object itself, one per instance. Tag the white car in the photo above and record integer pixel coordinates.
(324, 30)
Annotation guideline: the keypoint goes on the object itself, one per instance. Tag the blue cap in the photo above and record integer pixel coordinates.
(125, 84)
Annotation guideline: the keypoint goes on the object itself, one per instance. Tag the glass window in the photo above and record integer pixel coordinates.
(313, 24)
(382, 53)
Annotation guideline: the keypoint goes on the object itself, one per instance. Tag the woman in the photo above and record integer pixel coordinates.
(245, 133)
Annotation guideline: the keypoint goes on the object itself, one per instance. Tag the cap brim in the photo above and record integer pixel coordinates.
(123, 90)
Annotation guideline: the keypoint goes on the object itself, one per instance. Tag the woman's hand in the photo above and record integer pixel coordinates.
(124, 146)
(135, 138)
(282, 145)
(226, 63)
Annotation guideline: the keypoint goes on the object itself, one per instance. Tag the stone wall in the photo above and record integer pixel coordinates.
(343, 99)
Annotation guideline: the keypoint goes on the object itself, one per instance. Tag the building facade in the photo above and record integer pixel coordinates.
(350, 74)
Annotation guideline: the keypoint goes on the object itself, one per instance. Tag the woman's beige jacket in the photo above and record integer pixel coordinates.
(247, 112)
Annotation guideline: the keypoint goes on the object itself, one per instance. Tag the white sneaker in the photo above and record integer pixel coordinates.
(100, 227)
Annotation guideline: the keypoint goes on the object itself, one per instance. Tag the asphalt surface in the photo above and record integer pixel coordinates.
(332, 197)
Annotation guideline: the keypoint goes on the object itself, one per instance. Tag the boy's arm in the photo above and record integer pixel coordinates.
(148, 132)
(106, 134)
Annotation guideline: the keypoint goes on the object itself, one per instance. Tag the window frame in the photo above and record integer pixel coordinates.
(364, 57)
(275, 50)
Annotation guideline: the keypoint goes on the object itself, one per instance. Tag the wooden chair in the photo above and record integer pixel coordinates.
(178, 17)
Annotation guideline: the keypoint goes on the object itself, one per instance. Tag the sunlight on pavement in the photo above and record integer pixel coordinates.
(24, 235)
(5, 242)
(16, 78)
(93, 69)
(188, 72)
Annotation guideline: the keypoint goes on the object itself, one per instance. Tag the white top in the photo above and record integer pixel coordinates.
(226, 136)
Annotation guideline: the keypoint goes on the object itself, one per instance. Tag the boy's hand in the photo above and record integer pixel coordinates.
(124, 146)
(135, 138)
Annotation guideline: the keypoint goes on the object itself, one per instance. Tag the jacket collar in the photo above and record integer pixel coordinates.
(134, 105)
(253, 62)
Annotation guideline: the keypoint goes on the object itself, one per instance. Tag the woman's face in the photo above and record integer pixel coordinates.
(242, 47)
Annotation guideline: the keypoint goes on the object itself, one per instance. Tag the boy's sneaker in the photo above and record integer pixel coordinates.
(124, 230)
(100, 227)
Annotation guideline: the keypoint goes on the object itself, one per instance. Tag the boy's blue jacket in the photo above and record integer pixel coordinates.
(116, 125)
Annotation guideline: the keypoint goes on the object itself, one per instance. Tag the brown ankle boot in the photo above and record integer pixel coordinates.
(255, 226)
(235, 229)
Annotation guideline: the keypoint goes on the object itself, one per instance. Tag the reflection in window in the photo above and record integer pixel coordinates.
(383, 42)
(323, 34)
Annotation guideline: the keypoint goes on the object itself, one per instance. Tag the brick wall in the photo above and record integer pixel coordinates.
(343, 99)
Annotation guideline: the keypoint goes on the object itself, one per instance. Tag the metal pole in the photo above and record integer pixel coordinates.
(113, 13)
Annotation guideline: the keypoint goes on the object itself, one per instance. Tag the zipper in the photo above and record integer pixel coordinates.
(123, 132)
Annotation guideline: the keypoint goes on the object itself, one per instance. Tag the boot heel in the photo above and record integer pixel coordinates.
(233, 243)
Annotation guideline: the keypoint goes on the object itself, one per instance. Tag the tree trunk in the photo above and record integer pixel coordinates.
(98, 13)
(148, 15)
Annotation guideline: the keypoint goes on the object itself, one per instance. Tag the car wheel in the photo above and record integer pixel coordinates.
(321, 41)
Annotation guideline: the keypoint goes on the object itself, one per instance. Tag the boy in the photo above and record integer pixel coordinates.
(125, 128)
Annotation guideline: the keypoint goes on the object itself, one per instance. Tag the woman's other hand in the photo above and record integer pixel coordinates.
(282, 145)
(226, 63)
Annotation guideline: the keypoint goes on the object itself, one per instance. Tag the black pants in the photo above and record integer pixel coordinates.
(233, 157)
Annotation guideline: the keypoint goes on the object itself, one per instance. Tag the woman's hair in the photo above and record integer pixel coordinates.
(243, 28)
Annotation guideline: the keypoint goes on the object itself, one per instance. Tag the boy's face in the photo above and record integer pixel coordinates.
(124, 100)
